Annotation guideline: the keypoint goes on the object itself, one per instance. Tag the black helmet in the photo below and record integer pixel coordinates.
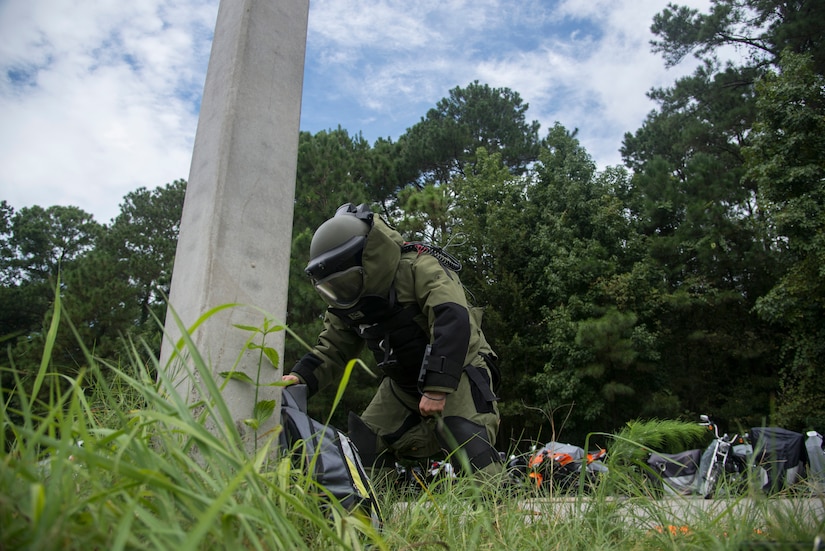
(335, 255)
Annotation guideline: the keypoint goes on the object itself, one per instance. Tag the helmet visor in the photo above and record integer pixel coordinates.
(342, 289)
(337, 259)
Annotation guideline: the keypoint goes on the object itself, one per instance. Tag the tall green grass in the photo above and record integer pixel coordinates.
(115, 459)
(149, 474)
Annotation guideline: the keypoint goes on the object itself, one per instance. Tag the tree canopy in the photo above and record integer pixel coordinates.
(687, 281)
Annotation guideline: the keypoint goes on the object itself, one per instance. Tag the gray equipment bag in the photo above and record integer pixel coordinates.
(331, 455)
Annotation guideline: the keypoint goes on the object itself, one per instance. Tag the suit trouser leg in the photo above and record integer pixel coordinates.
(469, 422)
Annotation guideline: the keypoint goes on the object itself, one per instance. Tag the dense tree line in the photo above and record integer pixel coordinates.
(690, 280)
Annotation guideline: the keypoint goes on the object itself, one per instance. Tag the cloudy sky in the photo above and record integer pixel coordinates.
(100, 97)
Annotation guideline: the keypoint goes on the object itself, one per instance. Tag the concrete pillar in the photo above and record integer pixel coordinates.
(235, 234)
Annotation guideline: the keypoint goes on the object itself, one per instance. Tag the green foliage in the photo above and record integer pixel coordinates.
(697, 206)
(127, 464)
(130, 465)
(444, 143)
(37, 245)
(114, 278)
(446, 516)
(143, 241)
(428, 215)
(636, 439)
(443, 148)
(687, 281)
(762, 28)
(786, 160)
(44, 241)
(333, 169)
(578, 237)
(262, 410)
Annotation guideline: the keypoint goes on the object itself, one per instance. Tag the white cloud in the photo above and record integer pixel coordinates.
(99, 97)
(584, 64)
(103, 99)
(592, 74)
(392, 51)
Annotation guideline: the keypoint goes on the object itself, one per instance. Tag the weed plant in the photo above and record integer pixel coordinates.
(616, 511)
(121, 461)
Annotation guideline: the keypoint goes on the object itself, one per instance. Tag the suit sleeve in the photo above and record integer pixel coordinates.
(337, 345)
(441, 298)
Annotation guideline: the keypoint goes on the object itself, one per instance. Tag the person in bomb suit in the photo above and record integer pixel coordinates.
(406, 303)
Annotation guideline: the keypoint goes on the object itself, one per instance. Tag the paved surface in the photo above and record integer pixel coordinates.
(684, 511)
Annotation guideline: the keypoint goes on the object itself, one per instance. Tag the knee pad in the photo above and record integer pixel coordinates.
(458, 434)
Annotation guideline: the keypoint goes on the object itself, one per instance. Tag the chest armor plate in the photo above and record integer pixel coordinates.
(392, 334)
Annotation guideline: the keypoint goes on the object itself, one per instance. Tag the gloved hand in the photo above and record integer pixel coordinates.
(432, 403)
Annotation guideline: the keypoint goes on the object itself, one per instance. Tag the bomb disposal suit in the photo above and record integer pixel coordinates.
(406, 303)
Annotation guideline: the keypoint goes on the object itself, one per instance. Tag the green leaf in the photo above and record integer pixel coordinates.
(252, 423)
(272, 356)
(38, 501)
(342, 385)
(263, 410)
(267, 329)
(246, 328)
(51, 336)
(237, 375)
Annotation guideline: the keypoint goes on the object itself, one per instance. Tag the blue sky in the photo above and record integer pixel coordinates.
(100, 97)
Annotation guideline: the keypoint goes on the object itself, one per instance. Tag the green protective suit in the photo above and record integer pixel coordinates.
(413, 313)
